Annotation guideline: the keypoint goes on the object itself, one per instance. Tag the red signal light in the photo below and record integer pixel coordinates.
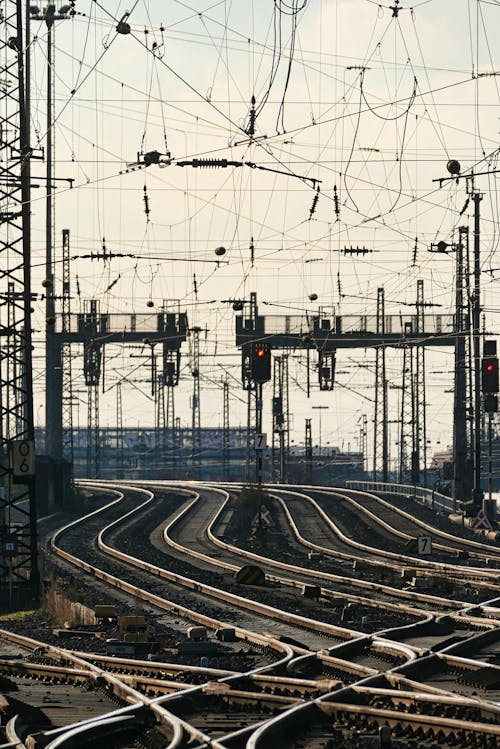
(260, 362)
(489, 375)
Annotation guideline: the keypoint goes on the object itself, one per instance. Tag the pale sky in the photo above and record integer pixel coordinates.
(369, 101)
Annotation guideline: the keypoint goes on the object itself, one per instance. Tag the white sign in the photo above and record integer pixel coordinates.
(260, 441)
(23, 459)
(481, 522)
(424, 545)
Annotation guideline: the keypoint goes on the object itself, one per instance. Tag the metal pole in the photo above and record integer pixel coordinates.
(477, 493)
(24, 127)
(490, 461)
(258, 452)
(459, 417)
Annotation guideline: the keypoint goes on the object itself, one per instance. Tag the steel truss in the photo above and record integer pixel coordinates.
(19, 577)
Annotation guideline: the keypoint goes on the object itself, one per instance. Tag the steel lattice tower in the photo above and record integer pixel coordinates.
(225, 431)
(461, 464)
(93, 437)
(363, 440)
(380, 444)
(159, 400)
(251, 429)
(308, 451)
(281, 420)
(92, 357)
(405, 426)
(420, 446)
(67, 380)
(120, 442)
(18, 560)
(195, 402)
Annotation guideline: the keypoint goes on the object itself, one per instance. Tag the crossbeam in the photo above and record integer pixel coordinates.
(328, 333)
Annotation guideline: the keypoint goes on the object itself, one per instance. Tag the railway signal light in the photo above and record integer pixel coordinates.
(489, 375)
(260, 362)
(277, 405)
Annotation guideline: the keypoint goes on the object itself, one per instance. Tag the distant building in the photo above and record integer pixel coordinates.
(147, 454)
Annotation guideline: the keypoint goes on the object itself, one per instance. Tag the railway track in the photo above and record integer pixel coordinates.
(329, 693)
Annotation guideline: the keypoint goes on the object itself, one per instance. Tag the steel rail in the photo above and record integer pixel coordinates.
(408, 561)
(180, 727)
(12, 734)
(462, 607)
(345, 666)
(206, 558)
(264, 641)
(138, 666)
(427, 568)
(267, 734)
(397, 715)
(406, 651)
(212, 591)
(305, 571)
(218, 512)
(426, 498)
(488, 548)
(387, 589)
(124, 691)
(408, 594)
(493, 552)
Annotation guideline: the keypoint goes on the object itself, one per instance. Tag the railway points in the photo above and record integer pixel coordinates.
(249, 433)
(439, 646)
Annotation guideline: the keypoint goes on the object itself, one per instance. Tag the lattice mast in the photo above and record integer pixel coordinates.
(420, 446)
(363, 440)
(251, 431)
(18, 561)
(380, 442)
(405, 425)
(226, 465)
(281, 420)
(120, 441)
(195, 402)
(92, 359)
(67, 379)
(461, 474)
(53, 365)
(308, 452)
(159, 401)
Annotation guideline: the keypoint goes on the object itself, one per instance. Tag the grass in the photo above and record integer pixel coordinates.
(16, 616)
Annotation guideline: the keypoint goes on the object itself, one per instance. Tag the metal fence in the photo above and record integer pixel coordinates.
(428, 497)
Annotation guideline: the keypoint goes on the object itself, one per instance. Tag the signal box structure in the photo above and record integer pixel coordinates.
(326, 332)
(94, 330)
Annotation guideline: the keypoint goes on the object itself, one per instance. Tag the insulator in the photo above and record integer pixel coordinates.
(251, 119)
(209, 163)
(336, 200)
(146, 201)
(314, 203)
